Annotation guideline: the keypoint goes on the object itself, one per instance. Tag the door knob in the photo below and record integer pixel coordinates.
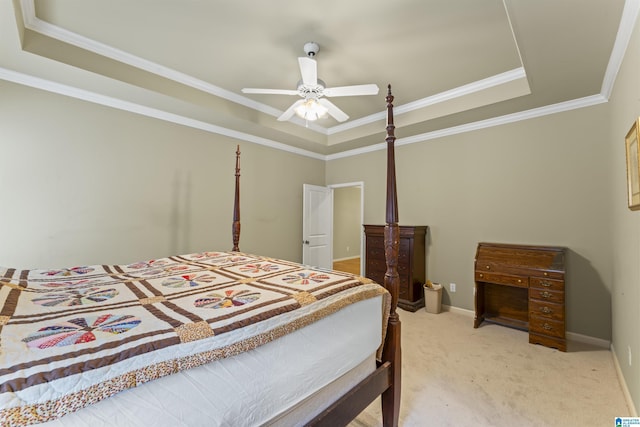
(305, 242)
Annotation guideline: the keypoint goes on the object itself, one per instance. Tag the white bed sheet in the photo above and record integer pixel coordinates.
(259, 387)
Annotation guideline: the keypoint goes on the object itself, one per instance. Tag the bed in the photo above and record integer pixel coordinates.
(220, 338)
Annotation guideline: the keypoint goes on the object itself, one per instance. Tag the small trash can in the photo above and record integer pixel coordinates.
(433, 298)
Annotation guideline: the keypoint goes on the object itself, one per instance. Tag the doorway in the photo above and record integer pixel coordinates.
(348, 235)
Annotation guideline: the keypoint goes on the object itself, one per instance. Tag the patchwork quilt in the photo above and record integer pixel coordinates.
(71, 337)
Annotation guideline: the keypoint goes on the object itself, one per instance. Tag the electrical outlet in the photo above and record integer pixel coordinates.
(629, 348)
(452, 287)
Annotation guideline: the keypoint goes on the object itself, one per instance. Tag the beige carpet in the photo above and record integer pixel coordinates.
(455, 375)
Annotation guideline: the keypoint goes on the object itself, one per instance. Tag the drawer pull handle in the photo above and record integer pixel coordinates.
(519, 280)
(545, 273)
(546, 310)
(547, 327)
(545, 283)
(545, 294)
(481, 275)
(488, 267)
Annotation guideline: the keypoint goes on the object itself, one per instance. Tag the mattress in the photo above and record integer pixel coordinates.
(275, 384)
(229, 333)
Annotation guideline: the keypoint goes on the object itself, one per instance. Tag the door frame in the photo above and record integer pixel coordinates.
(359, 184)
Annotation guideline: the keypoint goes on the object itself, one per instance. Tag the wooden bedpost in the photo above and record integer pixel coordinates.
(386, 378)
(392, 351)
(236, 206)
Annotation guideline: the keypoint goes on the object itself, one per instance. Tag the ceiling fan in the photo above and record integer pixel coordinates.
(313, 91)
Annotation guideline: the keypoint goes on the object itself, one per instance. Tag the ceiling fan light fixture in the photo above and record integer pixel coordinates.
(311, 110)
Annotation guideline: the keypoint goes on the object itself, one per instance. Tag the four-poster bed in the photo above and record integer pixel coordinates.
(213, 338)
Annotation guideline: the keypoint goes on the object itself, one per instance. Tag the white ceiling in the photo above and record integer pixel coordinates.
(453, 64)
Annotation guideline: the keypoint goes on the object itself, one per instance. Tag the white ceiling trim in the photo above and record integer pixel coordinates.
(627, 24)
(85, 95)
(32, 22)
(482, 124)
(459, 92)
(468, 89)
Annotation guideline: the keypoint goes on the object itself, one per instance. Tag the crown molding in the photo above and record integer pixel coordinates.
(85, 95)
(448, 95)
(482, 124)
(32, 22)
(627, 24)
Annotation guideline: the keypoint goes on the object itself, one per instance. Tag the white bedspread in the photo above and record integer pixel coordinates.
(73, 337)
(283, 383)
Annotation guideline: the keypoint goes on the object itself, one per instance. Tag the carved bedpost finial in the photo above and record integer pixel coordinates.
(392, 199)
(236, 206)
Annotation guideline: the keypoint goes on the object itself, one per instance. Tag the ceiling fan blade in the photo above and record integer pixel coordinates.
(335, 112)
(308, 71)
(270, 91)
(370, 89)
(290, 111)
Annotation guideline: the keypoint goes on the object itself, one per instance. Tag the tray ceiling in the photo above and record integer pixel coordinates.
(451, 64)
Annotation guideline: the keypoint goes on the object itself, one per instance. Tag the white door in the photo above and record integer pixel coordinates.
(317, 226)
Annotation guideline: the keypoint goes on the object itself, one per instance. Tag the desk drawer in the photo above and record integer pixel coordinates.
(545, 309)
(502, 279)
(548, 284)
(545, 295)
(543, 326)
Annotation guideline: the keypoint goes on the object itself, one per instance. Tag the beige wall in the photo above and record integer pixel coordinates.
(84, 184)
(541, 181)
(624, 109)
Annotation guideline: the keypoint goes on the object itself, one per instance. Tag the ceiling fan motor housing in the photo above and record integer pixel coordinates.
(307, 91)
(311, 49)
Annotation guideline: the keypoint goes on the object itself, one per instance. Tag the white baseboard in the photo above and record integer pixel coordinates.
(458, 310)
(571, 336)
(623, 384)
(585, 339)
